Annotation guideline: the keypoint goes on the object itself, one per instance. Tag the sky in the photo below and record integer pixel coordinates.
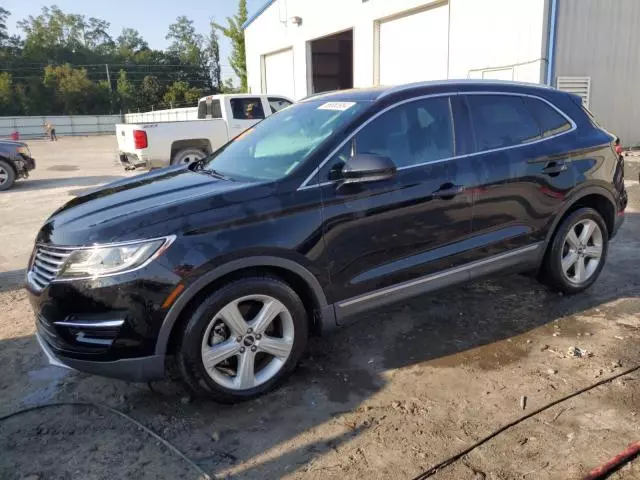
(150, 17)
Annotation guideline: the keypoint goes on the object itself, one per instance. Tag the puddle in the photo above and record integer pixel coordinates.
(46, 383)
(63, 168)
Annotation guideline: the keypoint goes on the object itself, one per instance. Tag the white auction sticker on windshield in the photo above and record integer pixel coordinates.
(337, 106)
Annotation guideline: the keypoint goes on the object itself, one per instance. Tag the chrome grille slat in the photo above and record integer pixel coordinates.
(47, 262)
(45, 257)
(47, 268)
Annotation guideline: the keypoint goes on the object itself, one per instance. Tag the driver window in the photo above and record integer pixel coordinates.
(411, 134)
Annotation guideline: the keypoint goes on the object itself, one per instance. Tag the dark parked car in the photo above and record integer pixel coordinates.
(339, 204)
(15, 162)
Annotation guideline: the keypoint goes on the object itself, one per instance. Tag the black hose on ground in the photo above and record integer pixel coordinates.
(445, 463)
(203, 475)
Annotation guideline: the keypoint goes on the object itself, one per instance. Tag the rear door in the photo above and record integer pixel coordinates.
(383, 239)
(525, 171)
(244, 112)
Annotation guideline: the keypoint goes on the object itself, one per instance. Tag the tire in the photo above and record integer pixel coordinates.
(215, 334)
(583, 260)
(7, 176)
(187, 156)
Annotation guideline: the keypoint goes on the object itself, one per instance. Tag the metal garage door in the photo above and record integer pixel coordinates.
(278, 74)
(414, 47)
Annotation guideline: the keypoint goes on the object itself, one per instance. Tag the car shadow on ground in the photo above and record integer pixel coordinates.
(340, 373)
(48, 183)
(12, 279)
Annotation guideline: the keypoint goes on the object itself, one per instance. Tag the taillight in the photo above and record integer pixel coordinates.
(140, 139)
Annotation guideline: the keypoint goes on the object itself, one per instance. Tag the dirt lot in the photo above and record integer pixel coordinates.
(386, 398)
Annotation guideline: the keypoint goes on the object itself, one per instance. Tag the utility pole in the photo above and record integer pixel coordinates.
(106, 66)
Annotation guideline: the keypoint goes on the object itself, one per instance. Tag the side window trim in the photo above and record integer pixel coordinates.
(307, 182)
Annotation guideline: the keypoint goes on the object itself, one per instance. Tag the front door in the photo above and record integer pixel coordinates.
(383, 239)
(518, 145)
(245, 113)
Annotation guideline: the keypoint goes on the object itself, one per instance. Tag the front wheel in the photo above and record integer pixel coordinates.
(7, 176)
(577, 253)
(244, 339)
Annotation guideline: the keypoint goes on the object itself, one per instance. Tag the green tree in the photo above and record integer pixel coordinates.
(4, 33)
(149, 93)
(125, 91)
(229, 87)
(129, 43)
(7, 96)
(186, 44)
(234, 32)
(175, 93)
(213, 52)
(73, 91)
(180, 94)
(189, 47)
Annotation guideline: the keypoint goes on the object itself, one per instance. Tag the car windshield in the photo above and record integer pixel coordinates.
(274, 148)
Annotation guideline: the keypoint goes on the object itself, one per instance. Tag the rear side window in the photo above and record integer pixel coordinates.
(247, 108)
(209, 109)
(550, 121)
(278, 104)
(501, 121)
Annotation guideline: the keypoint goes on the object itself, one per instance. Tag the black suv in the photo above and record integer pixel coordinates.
(15, 162)
(341, 203)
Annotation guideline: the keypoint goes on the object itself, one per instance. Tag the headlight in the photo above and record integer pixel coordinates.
(24, 151)
(100, 261)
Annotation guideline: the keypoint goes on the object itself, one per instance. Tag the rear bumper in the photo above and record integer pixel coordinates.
(131, 160)
(142, 369)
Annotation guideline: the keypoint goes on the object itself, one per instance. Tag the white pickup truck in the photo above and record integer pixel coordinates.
(220, 118)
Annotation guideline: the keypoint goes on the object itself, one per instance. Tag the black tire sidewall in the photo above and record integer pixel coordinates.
(189, 351)
(556, 275)
(12, 176)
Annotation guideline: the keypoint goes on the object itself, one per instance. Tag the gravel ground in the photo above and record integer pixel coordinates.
(388, 397)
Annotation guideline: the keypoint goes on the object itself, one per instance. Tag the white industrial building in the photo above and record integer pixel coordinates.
(300, 47)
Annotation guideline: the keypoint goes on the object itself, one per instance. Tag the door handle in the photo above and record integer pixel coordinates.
(554, 168)
(447, 191)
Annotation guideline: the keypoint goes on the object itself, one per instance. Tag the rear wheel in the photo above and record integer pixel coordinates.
(187, 156)
(7, 176)
(243, 340)
(577, 253)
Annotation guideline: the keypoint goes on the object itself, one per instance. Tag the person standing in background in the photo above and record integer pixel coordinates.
(51, 131)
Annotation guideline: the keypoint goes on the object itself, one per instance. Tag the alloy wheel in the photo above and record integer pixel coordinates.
(247, 342)
(4, 176)
(582, 251)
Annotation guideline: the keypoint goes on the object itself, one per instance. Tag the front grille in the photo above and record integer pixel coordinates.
(46, 265)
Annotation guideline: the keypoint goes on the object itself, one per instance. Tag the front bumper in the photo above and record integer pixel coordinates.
(24, 165)
(142, 369)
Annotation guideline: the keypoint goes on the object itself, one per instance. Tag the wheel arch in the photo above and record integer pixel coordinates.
(288, 270)
(596, 197)
(10, 163)
(200, 143)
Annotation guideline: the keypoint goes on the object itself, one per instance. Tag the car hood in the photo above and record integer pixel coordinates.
(121, 210)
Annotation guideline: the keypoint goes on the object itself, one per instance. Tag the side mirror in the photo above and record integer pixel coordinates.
(368, 168)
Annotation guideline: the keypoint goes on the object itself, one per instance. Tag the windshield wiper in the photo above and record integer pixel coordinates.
(214, 173)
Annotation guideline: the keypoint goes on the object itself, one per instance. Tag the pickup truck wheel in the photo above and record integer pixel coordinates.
(244, 339)
(7, 176)
(187, 156)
